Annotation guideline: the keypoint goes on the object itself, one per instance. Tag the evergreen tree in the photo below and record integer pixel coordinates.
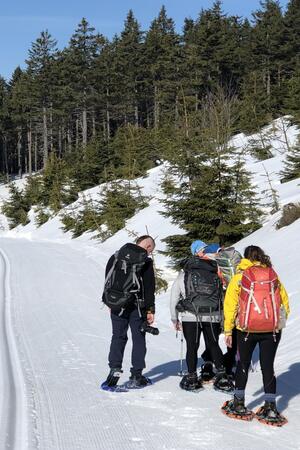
(214, 200)
(19, 107)
(292, 30)
(33, 189)
(86, 167)
(292, 99)
(162, 52)
(269, 48)
(291, 169)
(119, 202)
(106, 89)
(41, 81)
(57, 190)
(26, 119)
(132, 152)
(4, 126)
(16, 208)
(127, 65)
(254, 109)
(88, 217)
(81, 56)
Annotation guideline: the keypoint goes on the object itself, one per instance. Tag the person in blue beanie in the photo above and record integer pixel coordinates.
(197, 294)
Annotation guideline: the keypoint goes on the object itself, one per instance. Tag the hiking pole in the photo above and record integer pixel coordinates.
(181, 373)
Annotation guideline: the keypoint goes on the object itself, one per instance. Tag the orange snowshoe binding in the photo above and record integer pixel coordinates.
(269, 415)
(236, 409)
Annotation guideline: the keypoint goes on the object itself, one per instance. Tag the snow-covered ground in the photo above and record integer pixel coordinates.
(55, 337)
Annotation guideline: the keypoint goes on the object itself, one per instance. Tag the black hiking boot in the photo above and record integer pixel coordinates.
(236, 409)
(190, 382)
(113, 377)
(137, 380)
(269, 415)
(207, 373)
(222, 382)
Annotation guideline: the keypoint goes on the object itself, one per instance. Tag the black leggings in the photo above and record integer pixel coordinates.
(267, 351)
(230, 355)
(192, 333)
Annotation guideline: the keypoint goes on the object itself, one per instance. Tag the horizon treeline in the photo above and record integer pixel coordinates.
(66, 100)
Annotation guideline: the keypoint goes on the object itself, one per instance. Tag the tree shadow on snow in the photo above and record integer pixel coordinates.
(162, 371)
(288, 386)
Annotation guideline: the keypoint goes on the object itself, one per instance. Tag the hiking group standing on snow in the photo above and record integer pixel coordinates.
(217, 291)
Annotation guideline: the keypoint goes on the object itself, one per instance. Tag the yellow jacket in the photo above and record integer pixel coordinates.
(233, 292)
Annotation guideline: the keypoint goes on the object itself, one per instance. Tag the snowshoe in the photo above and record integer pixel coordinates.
(191, 382)
(116, 388)
(223, 383)
(207, 373)
(138, 381)
(110, 384)
(269, 415)
(236, 409)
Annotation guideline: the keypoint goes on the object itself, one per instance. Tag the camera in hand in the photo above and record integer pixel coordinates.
(146, 328)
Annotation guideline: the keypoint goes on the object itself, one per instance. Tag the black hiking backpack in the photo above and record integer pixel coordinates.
(123, 283)
(203, 287)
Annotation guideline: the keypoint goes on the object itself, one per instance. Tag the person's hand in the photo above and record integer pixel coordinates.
(150, 318)
(228, 340)
(177, 325)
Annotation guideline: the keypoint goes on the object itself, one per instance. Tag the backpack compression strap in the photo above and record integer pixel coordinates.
(250, 298)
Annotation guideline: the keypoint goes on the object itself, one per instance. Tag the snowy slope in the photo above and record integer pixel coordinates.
(56, 337)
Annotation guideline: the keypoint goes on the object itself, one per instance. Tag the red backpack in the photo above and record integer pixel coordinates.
(259, 301)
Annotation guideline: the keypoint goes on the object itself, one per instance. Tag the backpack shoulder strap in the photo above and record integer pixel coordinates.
(111, 270)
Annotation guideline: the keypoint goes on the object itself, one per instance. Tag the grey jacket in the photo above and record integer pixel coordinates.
(177, 293)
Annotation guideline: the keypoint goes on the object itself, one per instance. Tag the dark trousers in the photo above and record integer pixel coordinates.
(267, 352)
(129, 318)
(192, 332)
(230, 355)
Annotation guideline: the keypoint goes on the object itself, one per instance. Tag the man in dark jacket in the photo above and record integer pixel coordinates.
(133, 315)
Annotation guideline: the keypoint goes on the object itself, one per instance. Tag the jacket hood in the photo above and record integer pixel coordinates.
(246, 263)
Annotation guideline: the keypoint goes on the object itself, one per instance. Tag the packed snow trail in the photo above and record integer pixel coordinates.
(13, 414)
(63, 338)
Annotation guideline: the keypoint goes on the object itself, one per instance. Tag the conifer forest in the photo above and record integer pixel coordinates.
(106, 111)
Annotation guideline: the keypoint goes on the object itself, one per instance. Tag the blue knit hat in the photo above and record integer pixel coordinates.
(197, 246)
(211, 248)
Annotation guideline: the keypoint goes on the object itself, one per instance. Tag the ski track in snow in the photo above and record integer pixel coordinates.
(63, 339)
(13, 413)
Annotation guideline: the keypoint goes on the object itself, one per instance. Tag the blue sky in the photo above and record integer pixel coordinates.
(21, 21)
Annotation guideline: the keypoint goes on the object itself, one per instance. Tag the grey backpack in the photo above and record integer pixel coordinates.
(228, 260)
